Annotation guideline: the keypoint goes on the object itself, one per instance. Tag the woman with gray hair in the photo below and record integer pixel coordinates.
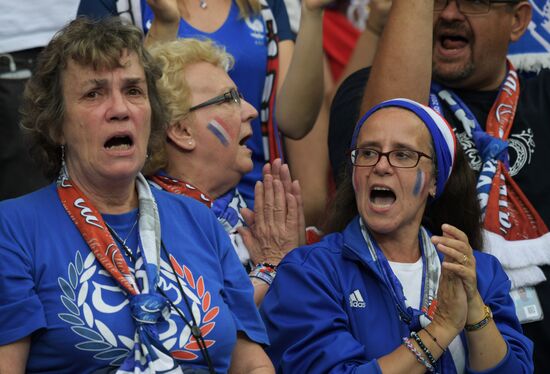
(99, 272)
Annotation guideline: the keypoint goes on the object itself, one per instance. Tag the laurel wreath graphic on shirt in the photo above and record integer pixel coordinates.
(79, 314)
(99, 338)
(203, 312)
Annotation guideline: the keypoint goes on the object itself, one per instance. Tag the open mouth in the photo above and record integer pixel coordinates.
(382, 196)
(245, 139)
(119, 142)
(449, 41)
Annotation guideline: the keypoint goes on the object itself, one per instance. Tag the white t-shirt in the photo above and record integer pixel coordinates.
(26, 24)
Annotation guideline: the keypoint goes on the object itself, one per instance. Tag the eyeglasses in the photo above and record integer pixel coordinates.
(471, 6)
(231, 95)
(397, 159)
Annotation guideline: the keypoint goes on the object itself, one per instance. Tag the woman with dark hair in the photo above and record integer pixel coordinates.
(385, 295)
(99, 272)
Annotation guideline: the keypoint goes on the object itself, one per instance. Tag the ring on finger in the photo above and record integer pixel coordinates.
(464, 260)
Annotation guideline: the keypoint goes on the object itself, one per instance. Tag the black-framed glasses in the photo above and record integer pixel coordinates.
(398, 158)
(471, 6)
(230, 96)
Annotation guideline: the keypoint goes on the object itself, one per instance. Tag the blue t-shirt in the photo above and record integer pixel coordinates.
(245, 39)
(53, 288)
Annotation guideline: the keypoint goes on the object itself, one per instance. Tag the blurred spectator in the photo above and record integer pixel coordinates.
(25, 27)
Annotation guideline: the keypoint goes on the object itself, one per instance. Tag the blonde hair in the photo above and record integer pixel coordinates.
(173, 57)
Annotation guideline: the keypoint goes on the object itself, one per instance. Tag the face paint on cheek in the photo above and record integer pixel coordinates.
(231, 131)
(219, 132)
(419, 184)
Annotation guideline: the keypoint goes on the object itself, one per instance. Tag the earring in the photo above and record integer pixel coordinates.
(63, 156)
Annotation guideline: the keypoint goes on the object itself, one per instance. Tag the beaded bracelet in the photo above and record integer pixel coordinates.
(265, 272)
(434, 339)
(425, 349)
(407, 343)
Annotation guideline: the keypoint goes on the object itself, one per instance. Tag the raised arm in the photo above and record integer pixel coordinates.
(165, 23)
(403, 62)
(300, 82)
(365, 48)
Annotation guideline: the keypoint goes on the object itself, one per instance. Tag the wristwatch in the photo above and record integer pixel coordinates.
(481, 324)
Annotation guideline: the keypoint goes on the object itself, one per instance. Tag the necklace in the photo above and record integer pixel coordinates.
(203, 4)
(126, 249)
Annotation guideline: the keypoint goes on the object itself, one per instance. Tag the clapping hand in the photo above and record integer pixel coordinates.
(460, 261)
(277, 224)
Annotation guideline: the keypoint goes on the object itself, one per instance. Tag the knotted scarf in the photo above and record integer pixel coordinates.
(147, 306)
(178, 187)
(513, 230)
(227, 208)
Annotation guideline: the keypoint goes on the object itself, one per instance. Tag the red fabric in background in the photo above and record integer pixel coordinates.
(339, 39)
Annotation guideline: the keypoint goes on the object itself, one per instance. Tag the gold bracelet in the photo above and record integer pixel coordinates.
(481, 324)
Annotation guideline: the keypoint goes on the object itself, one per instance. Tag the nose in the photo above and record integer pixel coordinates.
(383, 165)
(118, 109)
(248, 112)
(451, 11)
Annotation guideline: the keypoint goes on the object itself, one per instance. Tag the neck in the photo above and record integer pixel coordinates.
(186, 167)
(398, 247)
(491, 83)
(114, 197)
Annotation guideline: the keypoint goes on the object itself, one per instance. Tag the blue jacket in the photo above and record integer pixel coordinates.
(314, 326)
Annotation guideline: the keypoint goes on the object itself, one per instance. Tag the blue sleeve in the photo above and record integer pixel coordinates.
(307, 325)
(97, 9)
(21, 311)
(280, 14)
(494, 287)
(238, 291)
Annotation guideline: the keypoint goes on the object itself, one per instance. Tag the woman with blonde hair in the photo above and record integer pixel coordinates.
(205, 155)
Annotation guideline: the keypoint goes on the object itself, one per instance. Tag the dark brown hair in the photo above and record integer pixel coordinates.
(99, 44)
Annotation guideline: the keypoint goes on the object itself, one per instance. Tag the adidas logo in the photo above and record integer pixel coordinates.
(356, 300)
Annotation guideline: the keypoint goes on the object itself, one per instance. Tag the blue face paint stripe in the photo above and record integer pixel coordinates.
(419, 182)
(218, 131)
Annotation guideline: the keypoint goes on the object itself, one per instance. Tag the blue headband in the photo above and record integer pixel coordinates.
(442, 135)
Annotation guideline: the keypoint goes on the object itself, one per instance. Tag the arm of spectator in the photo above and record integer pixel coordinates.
(308, 159)
(165, 23)
(249, 357)
(14, 356)
(402, 66)
(300, 81)
(365, 48)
